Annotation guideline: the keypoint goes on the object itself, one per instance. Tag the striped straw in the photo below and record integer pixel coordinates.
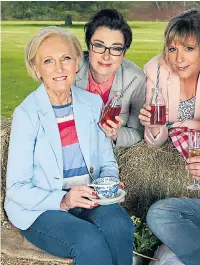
(121, 94)
(156, 97)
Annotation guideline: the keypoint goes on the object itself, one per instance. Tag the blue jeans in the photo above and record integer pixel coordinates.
(98, 236)
(176, 222)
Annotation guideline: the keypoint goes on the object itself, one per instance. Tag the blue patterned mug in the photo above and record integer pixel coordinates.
(106, 187)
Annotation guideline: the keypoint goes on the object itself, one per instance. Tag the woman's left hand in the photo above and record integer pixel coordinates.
(112, 129)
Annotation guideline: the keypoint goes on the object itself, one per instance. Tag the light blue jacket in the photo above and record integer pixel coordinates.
(35, 162)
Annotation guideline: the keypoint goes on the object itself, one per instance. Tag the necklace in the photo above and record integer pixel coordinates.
(98, 83)
(64, 114)
(95, 87)
(57, 102)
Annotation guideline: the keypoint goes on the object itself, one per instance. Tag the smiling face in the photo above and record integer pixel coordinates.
(106, 64)
(185, 58)
(56, 63)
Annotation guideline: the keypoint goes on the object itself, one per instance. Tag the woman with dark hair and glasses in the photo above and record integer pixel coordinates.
(104, 71)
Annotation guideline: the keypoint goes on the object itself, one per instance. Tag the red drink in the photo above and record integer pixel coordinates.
(110, 113)
(158, 114)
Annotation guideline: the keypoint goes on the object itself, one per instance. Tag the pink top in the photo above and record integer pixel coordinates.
(102, 89)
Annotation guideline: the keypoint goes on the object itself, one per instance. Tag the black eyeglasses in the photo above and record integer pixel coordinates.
(100, 48)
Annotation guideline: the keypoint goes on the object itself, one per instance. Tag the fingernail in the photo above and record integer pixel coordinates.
(121, 186)
(91, 206)
(94, 193)
(96, 204)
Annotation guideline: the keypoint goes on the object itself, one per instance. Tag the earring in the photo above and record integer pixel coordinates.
(38, 76)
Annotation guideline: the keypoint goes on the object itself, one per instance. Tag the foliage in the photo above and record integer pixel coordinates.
(55, 10)
(144, 238)
(82, 10)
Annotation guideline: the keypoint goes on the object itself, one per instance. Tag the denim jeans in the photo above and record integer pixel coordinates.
(176, 222)
(98, 236)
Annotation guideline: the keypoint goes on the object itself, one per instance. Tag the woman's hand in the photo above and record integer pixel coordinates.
(75, 198)
(122, 186)
(111, 130)
(193, 166)
(145, 116)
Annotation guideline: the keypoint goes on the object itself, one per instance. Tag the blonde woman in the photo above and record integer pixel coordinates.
(176, 221)
(179, 78)
(56, 147)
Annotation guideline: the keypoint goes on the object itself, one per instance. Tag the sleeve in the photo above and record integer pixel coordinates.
(191, 124)
(133, 132)
(162, 135)
(108, 164)
(19, 186)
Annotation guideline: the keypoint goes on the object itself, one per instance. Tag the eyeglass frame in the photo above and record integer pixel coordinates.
(107, 48)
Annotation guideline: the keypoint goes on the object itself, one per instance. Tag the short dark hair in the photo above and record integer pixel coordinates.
(109, 18)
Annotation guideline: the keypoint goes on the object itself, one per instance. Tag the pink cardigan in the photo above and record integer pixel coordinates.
(170, 84)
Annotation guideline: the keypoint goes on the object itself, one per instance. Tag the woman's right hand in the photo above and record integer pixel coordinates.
(75, 198)
(145, 115)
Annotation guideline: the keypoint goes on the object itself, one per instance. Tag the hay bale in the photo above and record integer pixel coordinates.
(15, 249)
(5, 132)
(151, 174)
(7, 260)
(15, 246)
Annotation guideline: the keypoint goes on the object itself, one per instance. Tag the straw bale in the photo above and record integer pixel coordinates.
(5, 129)
(9, 260)
(14, 245)
(150, 174)
(15, 249)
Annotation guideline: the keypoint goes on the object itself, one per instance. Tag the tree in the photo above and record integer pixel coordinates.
(57, 10)
(68, 20)
(82, 10)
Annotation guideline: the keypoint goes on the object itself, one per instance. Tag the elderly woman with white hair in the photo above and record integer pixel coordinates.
(56, 147)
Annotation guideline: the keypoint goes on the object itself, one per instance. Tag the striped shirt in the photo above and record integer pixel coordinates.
(75, 171)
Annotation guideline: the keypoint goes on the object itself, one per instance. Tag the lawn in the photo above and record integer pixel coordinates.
(15, 82)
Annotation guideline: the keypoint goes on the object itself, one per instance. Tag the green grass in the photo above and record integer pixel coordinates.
(15, 82)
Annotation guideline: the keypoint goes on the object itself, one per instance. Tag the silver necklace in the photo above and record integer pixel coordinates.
(57, 102)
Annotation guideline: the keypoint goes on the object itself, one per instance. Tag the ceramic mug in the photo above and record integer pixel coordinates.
(106, 187)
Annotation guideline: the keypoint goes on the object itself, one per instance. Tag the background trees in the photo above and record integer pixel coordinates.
(82, 10)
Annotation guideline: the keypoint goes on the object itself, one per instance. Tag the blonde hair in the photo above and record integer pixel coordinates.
(182, 28)
(35, 42)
